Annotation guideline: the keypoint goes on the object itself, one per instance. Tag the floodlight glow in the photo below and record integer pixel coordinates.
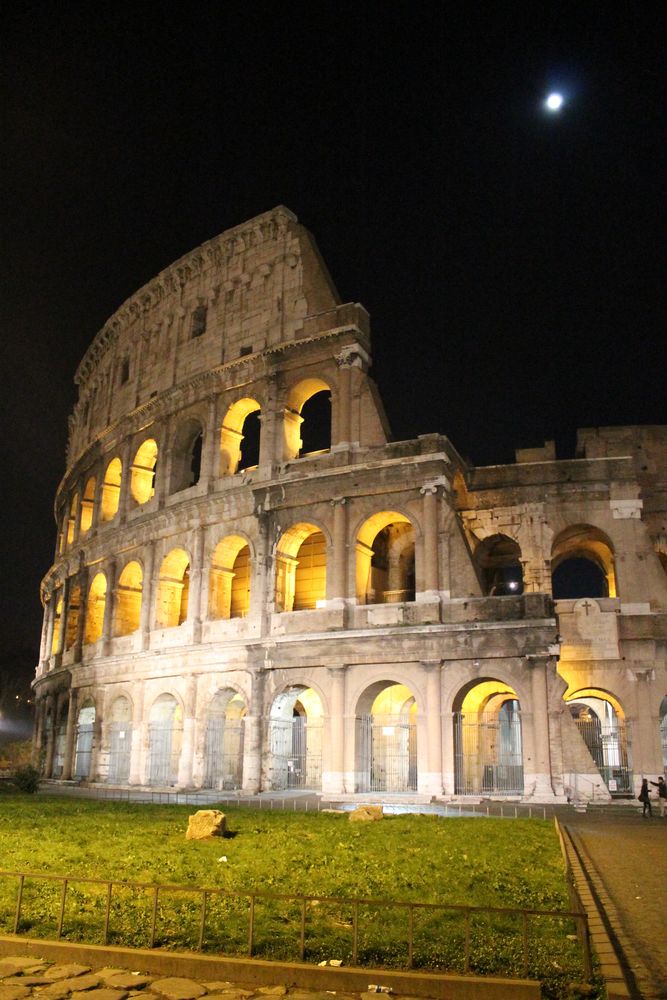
(554, 102)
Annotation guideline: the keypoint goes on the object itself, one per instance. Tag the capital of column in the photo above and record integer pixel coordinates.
(352, 356)
(338, 501)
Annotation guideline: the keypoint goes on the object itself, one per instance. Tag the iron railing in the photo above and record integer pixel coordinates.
(357, 906)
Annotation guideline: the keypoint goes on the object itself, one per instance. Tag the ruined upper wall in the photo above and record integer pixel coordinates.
(249, 289)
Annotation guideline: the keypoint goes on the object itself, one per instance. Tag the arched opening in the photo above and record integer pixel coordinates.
(57, 621)
(239, 437)
(95, 606)
(301, 568)
(223, 755)
(120, 740)
(498, 560)
(386, 743)
(582, 564)
(488, 745)
(128, 599)
(72, 619)
(87, 505)
(386, 559)
(229, 579)
(71, 520)
(295, 739)
(59, 743)
(142, 481)
(663, 731)
(165, 731)
(186, 456)
(85, 729)
(600, 719)
(308, 424)
(111, 490)
(171, 608)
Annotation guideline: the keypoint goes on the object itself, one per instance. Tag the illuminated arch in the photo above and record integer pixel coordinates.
(57, 620)
(72, 618)
(299, 396)
(128, 599)
(582, 563)
(120, 740)
(385, 565)
(87, 504)
(165, 733)
(71, 520)
(386, 738)
(84, 739)
(173, 588)
(111, 490)
(223, 754)
(295, 739)
(229, 579)
(142, 481)
(186, 455)
(498, 559)
(301, 571)
(600, 719)
(95, 607)
(233, 455)
(488, 744)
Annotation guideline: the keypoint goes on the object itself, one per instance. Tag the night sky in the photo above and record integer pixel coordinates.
(511, 260)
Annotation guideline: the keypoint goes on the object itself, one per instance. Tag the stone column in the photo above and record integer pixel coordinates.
(333, 780)
(82, 580)
(163, 463)
(70, 734)
(430, 514)
(541, 763)
(343, 433)
(109, 607)
(431, 781)
(49, 622)
(139, 735)
(125, 500)
(147, 595)
(194, 598)
(645, 731)
(210, 456)
(38, 732)
(50, 735)
(252, 734)
(340, 567)
(188, 741)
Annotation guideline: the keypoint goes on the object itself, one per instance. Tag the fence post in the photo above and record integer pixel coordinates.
(251, 925)
(584, 934)
(524, 928)
(411, 934)
(355, 932)
(107, 915)
(202, 922)
(156, 890)
(19, 900)
(466, 967)
(302, 938)
(61, 915)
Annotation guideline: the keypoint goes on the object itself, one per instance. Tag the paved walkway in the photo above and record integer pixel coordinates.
(627, 859)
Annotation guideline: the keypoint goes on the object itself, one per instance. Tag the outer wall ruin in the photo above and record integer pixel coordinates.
(255, 589)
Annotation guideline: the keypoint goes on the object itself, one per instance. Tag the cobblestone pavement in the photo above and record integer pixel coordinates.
(630, 856)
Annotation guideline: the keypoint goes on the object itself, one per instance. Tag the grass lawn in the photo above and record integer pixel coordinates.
(474, 862)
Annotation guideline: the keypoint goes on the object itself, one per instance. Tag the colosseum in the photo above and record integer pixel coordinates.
(256, 589)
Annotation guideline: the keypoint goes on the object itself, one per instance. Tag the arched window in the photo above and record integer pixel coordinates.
(142, 481)
(582, 564)
(308, 419)
(386, 739)
(57, 620)
(97, 597)
(239, 437)
(488, 745)
(84, 740)
(165, 730)
(301, 571)
(198, 327)
(72, 619)
(128, 599)
(386, 559)
(600, 719)
(87, 504)
(229, 579)
(120, 740)
(71, 520)
(223, 751)
(295, 739)
(111, 490)
(186, 456)
(498, 560)
(173, 586)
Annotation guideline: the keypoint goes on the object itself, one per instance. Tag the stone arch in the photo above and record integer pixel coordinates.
(225, 730)
(301, 574)
(73, 615)
(57, 619)
(71, 520)
(85, 734)
(95, 608)
(129, 591)
(110, 498)
(165, 734)
(120, 739)
(87, 505)
(239, 437)
(488, 739)
(386, 738)
(295, 738)
(499, 566)
(385, 559)
(186, 455)
(299, 396)
(229, 578)
(171, 607)
(600, 718)
(582, 563)
(142, 472)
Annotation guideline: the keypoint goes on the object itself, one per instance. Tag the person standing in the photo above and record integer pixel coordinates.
(644, 798)
(662, 795)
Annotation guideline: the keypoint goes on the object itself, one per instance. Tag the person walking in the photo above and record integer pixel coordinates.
(662, 795)
(645, 799)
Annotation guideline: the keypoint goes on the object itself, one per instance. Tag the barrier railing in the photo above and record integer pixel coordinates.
(373, 911)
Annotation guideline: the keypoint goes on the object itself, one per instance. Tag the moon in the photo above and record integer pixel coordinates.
(554, 102)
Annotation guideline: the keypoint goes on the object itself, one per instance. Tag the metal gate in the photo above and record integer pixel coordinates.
(488, 756)
(387, 753)
(162, 757)
(223, 763)
(59, 750)
(609, 745)
(84, 749)
(296, 753)
(120, 743)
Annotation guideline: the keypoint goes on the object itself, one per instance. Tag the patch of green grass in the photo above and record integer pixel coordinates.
(473, 862)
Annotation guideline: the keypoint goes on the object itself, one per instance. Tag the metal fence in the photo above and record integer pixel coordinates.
(367, 916)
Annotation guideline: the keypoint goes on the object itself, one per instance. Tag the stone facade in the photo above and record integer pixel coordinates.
(232, 608)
